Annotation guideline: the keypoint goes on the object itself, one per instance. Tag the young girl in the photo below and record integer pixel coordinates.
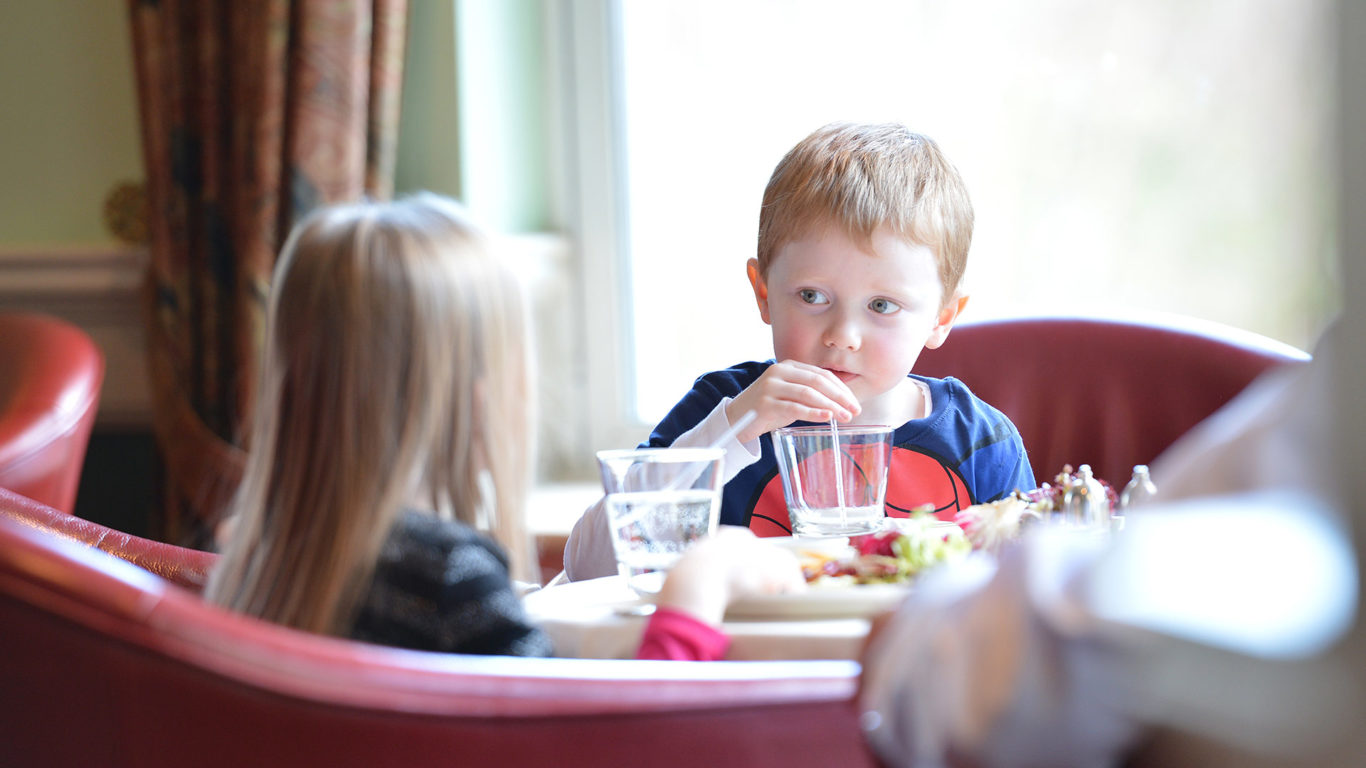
(392, 425)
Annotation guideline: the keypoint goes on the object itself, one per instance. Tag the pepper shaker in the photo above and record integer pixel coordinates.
(1085, 502)
(1140, 489)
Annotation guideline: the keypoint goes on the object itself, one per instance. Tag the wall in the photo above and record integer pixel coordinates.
(428, 146)
(68, 136)
(69, 133)
(69, 128)
(484, 139)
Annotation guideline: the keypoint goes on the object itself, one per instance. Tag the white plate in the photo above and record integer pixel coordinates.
(832, 602)
(828, 601)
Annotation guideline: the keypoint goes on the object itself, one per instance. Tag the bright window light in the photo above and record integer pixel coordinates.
(1132, 154)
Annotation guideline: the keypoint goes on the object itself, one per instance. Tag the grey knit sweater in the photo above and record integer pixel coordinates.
(442, 586)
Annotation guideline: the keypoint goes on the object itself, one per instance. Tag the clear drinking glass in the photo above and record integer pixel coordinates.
(834, 490)
(659, 500)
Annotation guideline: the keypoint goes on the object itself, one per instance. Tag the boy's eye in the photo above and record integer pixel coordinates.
(883, 306)
(812, 296)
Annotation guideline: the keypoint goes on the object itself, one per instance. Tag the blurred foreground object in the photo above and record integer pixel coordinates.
(1214, 618)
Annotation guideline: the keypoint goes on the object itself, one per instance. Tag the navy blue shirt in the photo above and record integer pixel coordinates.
(964, 452)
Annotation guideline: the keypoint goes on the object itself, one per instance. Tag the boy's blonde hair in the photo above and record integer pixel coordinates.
(395, 373)
(865, 176)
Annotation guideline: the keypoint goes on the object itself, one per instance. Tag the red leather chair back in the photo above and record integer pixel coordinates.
(1111, 393)
(188, 568)
(50, 376)
(104, 663)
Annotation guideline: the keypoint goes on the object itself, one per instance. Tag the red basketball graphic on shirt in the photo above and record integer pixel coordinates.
(913, 481)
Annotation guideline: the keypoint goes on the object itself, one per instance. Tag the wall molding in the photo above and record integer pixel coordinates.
(97, 288)
(74, 276)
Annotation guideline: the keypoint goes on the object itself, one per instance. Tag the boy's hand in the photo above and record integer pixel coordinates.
(790, 391)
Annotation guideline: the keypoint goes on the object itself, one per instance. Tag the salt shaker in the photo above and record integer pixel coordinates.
(1140, 489)
(1085, 501)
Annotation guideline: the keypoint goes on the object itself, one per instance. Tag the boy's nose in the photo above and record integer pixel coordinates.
(842, 334)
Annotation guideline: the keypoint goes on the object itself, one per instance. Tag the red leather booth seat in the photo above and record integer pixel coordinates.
(1109, 392)
(184, 567)
(104, 663)
(50, 376)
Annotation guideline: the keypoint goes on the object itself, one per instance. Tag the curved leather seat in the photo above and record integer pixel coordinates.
(50, 376)
(1109, 392)
(119, 667)
(183, 567)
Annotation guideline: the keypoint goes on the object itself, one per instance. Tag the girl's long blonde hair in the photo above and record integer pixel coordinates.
(395, 374)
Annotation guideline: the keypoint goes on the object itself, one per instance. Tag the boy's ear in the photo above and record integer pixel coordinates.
(947, 316)
(756, 280)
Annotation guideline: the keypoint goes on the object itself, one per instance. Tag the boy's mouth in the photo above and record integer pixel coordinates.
(844, 376)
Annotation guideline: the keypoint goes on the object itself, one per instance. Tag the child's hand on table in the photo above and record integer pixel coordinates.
(791, 391)
(732, 564)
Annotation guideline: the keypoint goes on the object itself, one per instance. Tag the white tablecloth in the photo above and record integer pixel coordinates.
(594, 619)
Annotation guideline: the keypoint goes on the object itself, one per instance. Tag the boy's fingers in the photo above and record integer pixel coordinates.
(792, 391)
(815, 404)
(827, 384)
(799, 412)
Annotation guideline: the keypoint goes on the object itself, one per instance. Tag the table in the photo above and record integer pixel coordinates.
(603, 619)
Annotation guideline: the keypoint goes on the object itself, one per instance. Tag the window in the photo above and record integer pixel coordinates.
(1135, 154)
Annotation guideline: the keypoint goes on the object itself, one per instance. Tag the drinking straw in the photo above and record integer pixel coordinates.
(740, 423)
(734, 430)
(839, 474)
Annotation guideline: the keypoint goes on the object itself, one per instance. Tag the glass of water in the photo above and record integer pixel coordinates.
(834, 479)
(659, 500)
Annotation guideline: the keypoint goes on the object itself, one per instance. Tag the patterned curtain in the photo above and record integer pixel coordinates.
(253, 112)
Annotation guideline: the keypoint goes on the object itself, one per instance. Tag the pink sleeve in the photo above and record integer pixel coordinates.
(677, 636)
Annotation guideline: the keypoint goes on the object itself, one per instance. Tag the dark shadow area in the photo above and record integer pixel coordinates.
(121, 481)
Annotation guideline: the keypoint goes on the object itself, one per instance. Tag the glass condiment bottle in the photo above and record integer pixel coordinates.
(1085, 502)
(1139, 490)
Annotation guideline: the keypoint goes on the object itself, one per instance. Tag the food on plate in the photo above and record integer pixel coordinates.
(990, 525)
(893, 556)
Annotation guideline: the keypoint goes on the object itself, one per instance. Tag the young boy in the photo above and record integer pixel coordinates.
(863, 240)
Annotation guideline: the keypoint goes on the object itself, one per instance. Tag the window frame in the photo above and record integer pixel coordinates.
(588, 91)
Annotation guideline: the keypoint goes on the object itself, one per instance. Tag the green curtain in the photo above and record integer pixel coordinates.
(252, 112)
